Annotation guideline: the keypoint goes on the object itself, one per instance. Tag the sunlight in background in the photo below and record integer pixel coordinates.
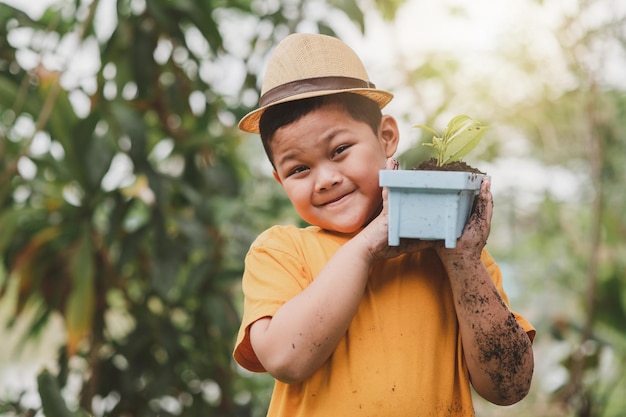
(474, 33)
(478, 34)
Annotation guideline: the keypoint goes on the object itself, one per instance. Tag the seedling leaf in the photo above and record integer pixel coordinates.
(460, 136)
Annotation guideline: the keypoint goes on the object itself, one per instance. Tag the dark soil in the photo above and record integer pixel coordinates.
(431, 165)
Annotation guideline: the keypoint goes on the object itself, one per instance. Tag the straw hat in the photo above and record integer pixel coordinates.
(307, 65)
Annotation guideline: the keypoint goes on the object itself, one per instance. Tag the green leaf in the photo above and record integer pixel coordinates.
(389, 8)
(8, 92)
(80, 303)
(51, 399)
(460, 136)
(8, 12)
(97, 151)
(464, 134)
(9, 222)
(455, 125)
(427, 129)
(129, 122)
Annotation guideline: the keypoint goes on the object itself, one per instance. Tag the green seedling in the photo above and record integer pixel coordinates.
(459, 137)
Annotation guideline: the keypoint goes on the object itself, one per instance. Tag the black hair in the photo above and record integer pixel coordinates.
(359, 107)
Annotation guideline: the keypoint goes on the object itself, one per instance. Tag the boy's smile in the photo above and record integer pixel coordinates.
(328, 165)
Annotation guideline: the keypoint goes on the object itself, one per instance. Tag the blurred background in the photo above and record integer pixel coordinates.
(128, 197)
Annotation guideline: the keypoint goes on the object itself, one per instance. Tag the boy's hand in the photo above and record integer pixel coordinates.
(376, 234)
(478, 227)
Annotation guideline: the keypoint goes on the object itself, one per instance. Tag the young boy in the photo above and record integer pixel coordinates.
(347, 325)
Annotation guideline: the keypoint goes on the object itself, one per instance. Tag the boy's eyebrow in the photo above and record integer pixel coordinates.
(286, 157)
(293, 153)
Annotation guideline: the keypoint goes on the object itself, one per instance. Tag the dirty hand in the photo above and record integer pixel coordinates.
(476, 231)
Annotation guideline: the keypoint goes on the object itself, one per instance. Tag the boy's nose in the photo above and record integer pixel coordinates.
(327, 178)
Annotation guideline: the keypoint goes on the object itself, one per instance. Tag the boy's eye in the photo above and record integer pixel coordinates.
(297, 170)
(340, 149)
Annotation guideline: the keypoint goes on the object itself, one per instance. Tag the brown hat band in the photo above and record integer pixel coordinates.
(312, 84)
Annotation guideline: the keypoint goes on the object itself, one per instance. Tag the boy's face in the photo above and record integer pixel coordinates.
(328, 165)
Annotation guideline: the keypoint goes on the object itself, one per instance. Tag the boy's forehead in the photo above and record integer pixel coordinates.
(315, 122)
(315, 130)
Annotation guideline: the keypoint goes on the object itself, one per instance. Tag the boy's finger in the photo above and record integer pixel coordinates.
(392, 164)
(485, 203)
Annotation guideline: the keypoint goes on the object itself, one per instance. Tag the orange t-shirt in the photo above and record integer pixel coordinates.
(402, 354)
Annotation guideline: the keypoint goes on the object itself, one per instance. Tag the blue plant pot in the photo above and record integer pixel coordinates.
(430, 205)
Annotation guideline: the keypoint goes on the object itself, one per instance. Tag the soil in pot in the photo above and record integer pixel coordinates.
(431, 165)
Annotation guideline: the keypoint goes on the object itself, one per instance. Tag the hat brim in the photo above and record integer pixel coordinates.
(250, 122)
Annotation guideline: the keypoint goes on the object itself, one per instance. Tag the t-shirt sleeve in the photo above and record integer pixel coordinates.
(273, 274)
(496, 276)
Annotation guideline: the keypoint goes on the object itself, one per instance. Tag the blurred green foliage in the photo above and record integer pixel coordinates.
(128, 198)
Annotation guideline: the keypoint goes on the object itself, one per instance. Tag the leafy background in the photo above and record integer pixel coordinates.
(128, 197)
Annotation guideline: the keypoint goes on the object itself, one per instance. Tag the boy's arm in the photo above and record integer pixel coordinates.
(497, 350)
(305, 331)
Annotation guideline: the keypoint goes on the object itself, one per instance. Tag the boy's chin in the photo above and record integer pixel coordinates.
(344, 230)
(353, 227)
(348, 233)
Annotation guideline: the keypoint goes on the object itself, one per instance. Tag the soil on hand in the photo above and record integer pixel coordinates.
(431, 165)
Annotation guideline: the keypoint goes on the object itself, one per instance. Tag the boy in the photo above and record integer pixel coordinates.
(347, 325)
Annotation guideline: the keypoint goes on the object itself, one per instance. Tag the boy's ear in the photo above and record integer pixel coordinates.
(276, 177)
(389, 135)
